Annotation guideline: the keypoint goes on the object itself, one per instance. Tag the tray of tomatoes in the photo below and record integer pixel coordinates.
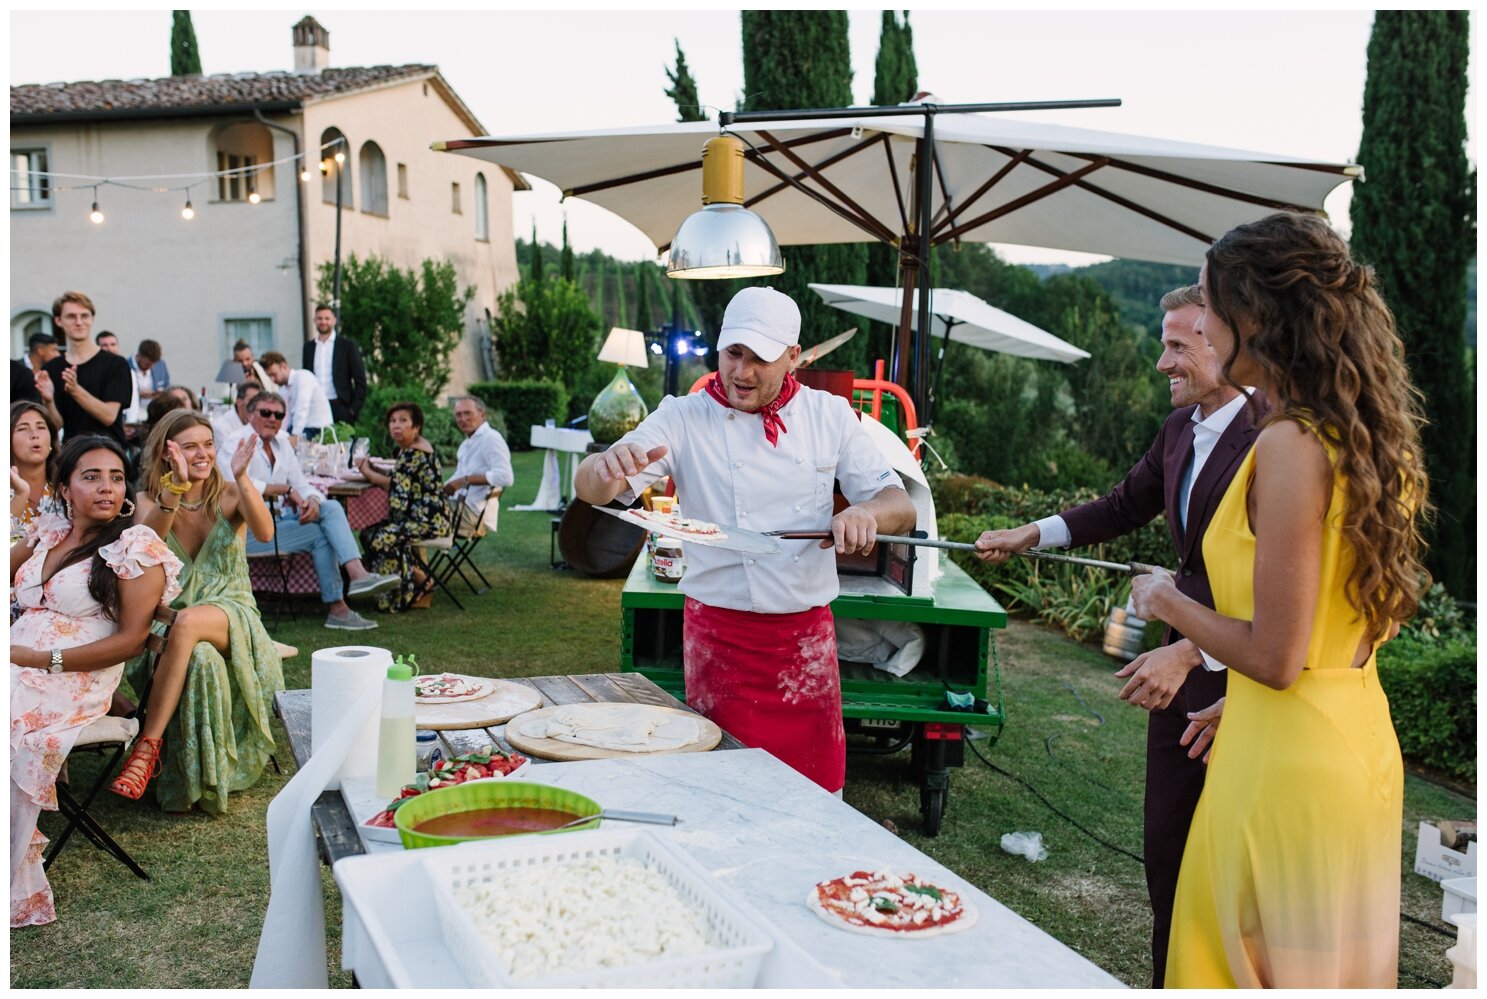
(487, 764)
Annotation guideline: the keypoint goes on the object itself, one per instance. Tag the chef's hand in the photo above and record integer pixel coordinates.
(1158, 675)
(1205, 725)
(996, 547)
(1149, 591)
(45, 387)
(853, 530)
(625, 460)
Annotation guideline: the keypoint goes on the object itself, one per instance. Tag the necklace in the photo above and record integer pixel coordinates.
(193, 507)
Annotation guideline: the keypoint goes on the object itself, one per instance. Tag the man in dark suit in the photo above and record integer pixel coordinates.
(1184, 474)
(336, 362)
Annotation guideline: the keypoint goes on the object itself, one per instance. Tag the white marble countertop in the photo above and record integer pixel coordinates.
(767, 833)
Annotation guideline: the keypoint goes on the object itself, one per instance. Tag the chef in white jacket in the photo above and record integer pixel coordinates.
(760, 450)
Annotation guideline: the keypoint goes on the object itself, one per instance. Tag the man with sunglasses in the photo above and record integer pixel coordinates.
(305, 521)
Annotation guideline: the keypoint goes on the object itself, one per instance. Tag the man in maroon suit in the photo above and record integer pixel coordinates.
(1185, 474)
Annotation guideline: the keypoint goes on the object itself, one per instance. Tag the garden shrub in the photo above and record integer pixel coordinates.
(523, 404)
(1432, 690)
(438, 421)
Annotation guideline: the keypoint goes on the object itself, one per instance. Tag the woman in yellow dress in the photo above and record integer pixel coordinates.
(1291, 874)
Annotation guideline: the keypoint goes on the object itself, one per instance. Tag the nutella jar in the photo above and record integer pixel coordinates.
(667, 562)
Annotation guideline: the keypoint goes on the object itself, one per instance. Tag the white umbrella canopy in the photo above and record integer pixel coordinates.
(996, 180)
(958, 316)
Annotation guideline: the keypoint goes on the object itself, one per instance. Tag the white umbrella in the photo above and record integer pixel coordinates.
(996, 180)
(957, 315)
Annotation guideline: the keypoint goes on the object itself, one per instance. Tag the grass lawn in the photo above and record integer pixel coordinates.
(196, 923)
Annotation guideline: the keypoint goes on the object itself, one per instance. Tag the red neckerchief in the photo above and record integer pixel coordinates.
(773, 425)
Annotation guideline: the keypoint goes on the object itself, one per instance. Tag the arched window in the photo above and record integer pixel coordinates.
(23, 327)
(373, 179)
(482, 210)
(241, 150)
(330, 170)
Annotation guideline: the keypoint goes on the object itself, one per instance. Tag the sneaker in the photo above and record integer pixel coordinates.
(377, 582)
(351, 622)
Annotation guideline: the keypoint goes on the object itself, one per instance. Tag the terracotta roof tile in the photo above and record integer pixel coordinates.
(178, 93)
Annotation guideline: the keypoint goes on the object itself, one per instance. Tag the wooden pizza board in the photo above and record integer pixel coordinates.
(708, 736)
(502, 704)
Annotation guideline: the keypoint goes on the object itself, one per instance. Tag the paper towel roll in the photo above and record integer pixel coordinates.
(338, 677)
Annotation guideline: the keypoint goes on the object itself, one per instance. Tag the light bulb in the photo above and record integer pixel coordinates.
(340, 157)
(188, 213)
(304, 175)
(253, 198)
(95, 216)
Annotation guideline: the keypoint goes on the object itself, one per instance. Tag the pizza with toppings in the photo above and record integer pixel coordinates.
(445, 688)
(700, 530)
(884, 904)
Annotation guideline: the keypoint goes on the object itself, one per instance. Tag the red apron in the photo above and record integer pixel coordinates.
(772, 681)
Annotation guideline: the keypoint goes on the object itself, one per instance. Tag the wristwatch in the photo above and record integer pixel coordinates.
(56, 666)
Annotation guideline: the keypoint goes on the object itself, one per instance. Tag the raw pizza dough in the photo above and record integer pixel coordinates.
(966, 920)
(460, 688)
(700, 529)
(626, 728)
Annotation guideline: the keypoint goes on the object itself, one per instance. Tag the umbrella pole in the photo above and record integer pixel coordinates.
(920, 387)
(934, 397)
(903, 336)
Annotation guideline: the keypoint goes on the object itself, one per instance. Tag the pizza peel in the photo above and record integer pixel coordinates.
(733, 539)
(810, 355)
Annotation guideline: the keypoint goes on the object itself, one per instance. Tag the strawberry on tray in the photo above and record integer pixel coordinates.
(489, 762)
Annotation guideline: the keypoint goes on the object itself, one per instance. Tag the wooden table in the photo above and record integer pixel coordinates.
(335, 830)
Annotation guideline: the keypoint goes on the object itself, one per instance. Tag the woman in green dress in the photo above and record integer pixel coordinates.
(211, 700)
(416, 507)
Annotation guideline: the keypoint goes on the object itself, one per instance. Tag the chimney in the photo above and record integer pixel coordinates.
(311, 46)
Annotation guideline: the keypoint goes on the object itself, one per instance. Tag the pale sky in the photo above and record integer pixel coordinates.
(1285, 83)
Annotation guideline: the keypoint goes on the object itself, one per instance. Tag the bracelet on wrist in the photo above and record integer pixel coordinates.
(168, 481)
(160, 502)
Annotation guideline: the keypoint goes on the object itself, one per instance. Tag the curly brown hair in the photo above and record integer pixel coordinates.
(1326, 342)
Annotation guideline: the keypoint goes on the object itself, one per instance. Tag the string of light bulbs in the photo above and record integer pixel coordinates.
(89, 182)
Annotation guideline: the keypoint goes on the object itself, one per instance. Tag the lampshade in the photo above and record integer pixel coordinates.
(624, 346)
(231, 373)
(724, 239)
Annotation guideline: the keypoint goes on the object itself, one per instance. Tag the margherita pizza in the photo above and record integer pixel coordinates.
(887, 905)
(445, 688)
(699, 529)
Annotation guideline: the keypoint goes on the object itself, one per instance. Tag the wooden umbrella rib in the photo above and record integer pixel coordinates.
(903, 213)
(1196, 185)
(826, 202)
(1124, 202)
(634, 178)
(980, 191)
(947, 206)
(1065, 180)
(831, 161)
(864, 219)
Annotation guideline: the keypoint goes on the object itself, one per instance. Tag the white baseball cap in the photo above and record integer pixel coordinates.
(762, 319)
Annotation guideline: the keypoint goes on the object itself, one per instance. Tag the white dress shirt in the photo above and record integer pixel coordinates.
(727, 473)
(308, 406)
(323, 368)
(1054, 533)
(484, 457)
(285, 471)
(225, 427)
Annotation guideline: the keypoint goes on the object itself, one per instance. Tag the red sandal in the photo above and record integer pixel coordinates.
(143, 760)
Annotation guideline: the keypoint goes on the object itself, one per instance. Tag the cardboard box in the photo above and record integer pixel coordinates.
(1440, 863)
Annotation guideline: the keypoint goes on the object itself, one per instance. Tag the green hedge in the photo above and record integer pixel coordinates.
(1432, 691)
(522, 405)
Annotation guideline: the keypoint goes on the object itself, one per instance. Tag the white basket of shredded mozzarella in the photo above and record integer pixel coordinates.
(598, 909)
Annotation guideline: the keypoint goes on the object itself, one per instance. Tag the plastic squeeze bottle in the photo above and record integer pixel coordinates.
(396, 751)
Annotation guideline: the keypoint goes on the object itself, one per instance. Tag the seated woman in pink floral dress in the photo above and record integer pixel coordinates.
(87, 585)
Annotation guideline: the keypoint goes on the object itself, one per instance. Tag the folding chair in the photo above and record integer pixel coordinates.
(435, 552)
(281, 563)
(467, 539)
(102, 735)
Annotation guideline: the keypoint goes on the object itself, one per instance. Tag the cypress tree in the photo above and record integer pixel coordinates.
(1414, 219)
(601, 274)
(642, 297)
(896, 80)
(801, 59)
(535, 271)
(565, 258)
(621, 310)
(185, 57)
(684, 89)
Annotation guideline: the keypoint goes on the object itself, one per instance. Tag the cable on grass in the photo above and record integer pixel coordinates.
(1432, 927)
(1100, 719)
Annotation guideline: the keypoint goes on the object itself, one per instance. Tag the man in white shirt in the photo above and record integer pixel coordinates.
(760, 450)
(483, 461)
(309, 410)
(306, 521)
(228, 424)
(1185, 474)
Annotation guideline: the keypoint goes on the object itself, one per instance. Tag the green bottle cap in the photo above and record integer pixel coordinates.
(400, 671)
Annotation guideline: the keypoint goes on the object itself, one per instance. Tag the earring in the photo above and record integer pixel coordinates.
(126, 509)
(67, 506)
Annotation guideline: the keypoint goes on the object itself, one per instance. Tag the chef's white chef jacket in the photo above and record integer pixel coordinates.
(727, 473)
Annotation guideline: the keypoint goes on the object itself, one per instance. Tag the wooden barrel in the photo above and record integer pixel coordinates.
(596, 544)
(1123, 634)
